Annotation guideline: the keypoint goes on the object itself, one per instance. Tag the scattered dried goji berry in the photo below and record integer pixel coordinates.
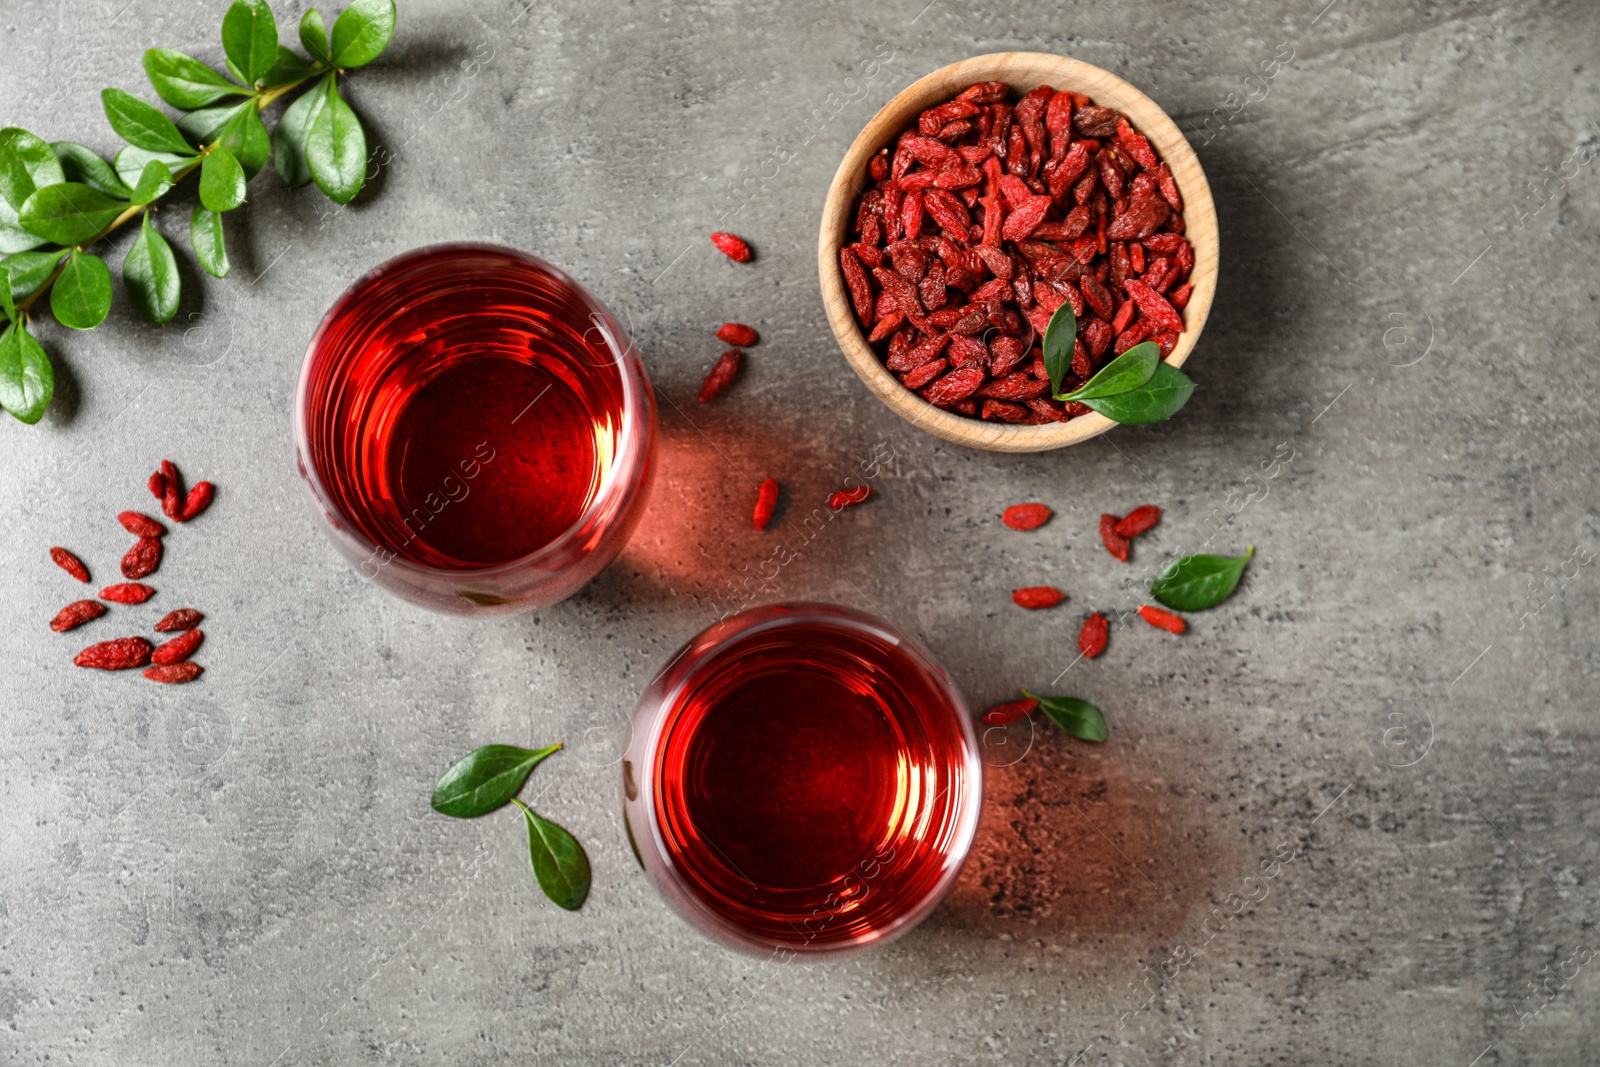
(69, 563)
(158, 485)
(1026, 516)
(143, 558)
(845, 498)
(171, 491)
(1115, 543)
(127, 593)
(1162, 620)
(140, 525)
(1010, 711)
(1035, 597)
(737, 334)
(766, 502)
(182, 619)
(198, 500)
(1137, 521)
(733, 247)
(179, 648)
(117, 655)
(174, 673)
(1092, 637)
(721, 374)
(76, 614)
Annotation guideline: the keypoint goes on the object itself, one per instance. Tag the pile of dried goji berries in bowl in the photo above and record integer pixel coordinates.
(981, 199)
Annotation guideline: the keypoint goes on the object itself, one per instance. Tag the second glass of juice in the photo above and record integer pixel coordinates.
(477, 430)
(802, 779)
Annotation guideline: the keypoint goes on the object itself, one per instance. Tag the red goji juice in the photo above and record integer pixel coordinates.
(466, 406)
(813, 783)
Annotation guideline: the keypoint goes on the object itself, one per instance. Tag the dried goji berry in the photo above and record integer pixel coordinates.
(171, 491)
(1037, 596)
(855, 279)
(920, 376)
(1010, 711)
(766, 502)
(721, 374)
(846, 497)
(1026, 516)
(179, 648)
(140, 525)
(174, 673)
(198, 500)
(1153, 306)
(1115, 543)
(69, 563)
(733, 247)
(117, 655)
(158, 485)
(76, 614)
(1137, 521)
(957, 385)
(737, 334)
(127, 593)
(182, 619)
(1092, 637)
(142, 559)
(1162, 620)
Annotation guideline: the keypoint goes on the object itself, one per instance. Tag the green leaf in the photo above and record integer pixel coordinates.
(289, 68)
(361, 32)
(81, 164)
(221, 181)
(1077, 717)
(1160, 398)
(250, 39)
(245, 135)
(314, 36)
(1195, 583)
(205, 234)
(69, 213)
(184, 81)
(154, 181)
(336, 151)
(26, 164)
(151, 274)
(140, 124)
(486, 779)
(26, 377)
(1058, 338)
(13, 238)
(1122, 375)
(7, 304)
(130, 163)
(289, 139)
(204, 126)
(81, 296)
(558, 861)
(28, 271)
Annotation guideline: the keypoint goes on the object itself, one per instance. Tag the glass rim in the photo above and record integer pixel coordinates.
(636, 402)
(765, 619)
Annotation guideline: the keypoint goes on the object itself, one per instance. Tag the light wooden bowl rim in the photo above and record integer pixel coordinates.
(1022, 71)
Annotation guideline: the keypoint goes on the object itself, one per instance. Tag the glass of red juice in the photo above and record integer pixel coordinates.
(476, 429)
(802, 779)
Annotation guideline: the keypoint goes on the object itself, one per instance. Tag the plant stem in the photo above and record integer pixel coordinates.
(270, 95)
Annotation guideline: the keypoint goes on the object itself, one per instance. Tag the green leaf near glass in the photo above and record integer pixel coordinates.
(1135, 389)
(66, 195)
(487, 779)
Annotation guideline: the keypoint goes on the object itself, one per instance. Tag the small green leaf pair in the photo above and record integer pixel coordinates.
(1135, 389)
(26, 378)
(489, 778)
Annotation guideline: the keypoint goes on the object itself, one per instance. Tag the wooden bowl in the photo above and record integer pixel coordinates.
(1022, 71)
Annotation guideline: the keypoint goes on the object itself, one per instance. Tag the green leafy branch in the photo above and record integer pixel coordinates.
(58, 200)
(1136, 388)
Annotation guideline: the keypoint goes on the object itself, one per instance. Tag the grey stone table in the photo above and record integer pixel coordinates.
(1349, 818)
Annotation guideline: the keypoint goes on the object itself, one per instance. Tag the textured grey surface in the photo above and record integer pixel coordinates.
(246, 871)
